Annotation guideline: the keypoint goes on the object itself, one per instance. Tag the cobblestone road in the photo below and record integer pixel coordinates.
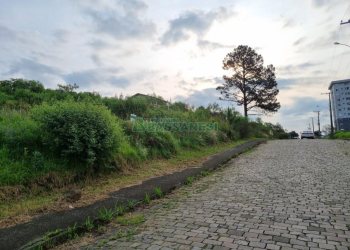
(291, 194)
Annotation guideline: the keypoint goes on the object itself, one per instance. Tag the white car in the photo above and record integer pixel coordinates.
(307, 134)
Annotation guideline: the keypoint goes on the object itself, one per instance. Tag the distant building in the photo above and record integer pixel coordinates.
(340, 96)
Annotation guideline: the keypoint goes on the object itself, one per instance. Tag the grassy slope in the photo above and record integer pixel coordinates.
(19, 211)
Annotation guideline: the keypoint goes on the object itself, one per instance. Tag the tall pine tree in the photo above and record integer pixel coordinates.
(251, 84)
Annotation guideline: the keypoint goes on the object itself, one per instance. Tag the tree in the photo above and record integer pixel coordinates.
(293, 135)
(67, 87)
(251, 84)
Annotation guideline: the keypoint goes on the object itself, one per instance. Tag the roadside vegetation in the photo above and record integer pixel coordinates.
(50, 139)
(342, 135)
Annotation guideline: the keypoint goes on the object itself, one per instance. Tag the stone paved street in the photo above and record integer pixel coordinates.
(288, 194)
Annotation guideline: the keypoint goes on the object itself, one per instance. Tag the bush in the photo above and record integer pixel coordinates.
(12, 171)
(154, 144)
(18, 132)
(81, 132)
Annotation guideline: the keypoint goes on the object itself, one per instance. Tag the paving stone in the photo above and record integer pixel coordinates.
(277, 197)
(280, 239)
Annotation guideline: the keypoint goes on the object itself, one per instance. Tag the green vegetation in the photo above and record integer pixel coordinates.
(72, 232)
(119, 209)
(147, 199)
(158, 192)
(52, 138)
(105, 214)
(130, 219)
(189, 180)
(89, 224)
(342, 135)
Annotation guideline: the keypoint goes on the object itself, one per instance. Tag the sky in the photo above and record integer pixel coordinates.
(175, 48)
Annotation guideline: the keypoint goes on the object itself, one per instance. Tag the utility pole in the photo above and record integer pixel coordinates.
(345, 22)
(330, 110)
(318, 120)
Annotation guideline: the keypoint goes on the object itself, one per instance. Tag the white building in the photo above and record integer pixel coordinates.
(340, 96)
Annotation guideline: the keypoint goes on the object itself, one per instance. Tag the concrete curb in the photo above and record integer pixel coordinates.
(19, 235)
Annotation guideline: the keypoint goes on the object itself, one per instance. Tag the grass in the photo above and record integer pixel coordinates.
(189, 180)
(123, 234)
(130, 219)
(158, 192)
(342, 135)
(105, 214)
(147, 199)
(205, 173)
(94, 189)
(89, 225)
(119, 209)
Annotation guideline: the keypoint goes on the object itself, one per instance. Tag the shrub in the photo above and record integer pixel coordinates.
(155, 144)
(11, 171)
(80, 132)
(18, 132)
(191, 140)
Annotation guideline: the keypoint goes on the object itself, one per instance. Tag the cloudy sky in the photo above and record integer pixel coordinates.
(175, 48)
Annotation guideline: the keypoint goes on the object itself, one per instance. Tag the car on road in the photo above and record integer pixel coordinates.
(307, 134)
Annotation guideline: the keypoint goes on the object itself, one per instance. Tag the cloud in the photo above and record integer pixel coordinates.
(34, 70)
(93, 77)
(62, 36)
(205, 44)
(205, 97)
(123, 21)
(288, 23)
(285, 83)
(200, 97)
(304, 107)
(320, 3)
(6, 33)
(192, 22)
(297, 68)
(300, 41)
(31, 67)
(327, 40)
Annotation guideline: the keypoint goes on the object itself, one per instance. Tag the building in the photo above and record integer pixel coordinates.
(340, 96)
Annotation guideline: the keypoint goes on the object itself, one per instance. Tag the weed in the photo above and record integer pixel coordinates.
(169, 205)
(205, 173)
(105, 214)
(131, 219)
(72, 232)
(147, 199)
(131, 204)
(89, 225)
(52, 233)
(119, 209)
(123, 233)
(158, 192)
(189, 180)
